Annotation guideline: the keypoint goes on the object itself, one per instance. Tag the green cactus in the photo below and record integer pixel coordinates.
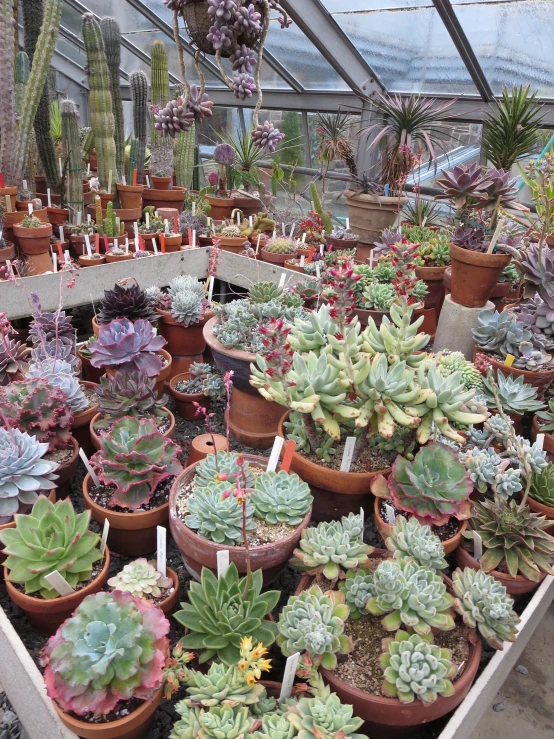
(7, 109)
(22, 72)
(138, 83)
(218, 518)
(133, 160)
(111, 36)
(410, 539)
(109, 223)
(325, 217)
(358, 588)
(87, 145)
(196, 169)
(184, 157)
(72, 153)
(100, 102)
(161, 149)
(281, 498)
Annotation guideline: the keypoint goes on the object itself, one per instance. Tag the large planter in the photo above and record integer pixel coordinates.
(185, 401)
(174, 198)
(517, 585)
(274, 258)
(34, 243)
(370, 214)
(183, 340)
(548, 445)
(95, 440)
(221, 208)
(253, 420)
(474, 275)
(433, 278)
(46, 615)
(133, 726)
(198, 552)
(132, 533)
(130, 196)
(539, 379)
(385, 529)
(336, 493)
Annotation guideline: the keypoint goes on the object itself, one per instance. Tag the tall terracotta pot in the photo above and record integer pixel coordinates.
(185, 401)
(130, 196)
(183, 340)
(34, 243)
(174, 198)
(57, 216)
(500, 291)
(250, 206)
(221, 208)
(474, 275)
(433, 278)
(370, 214)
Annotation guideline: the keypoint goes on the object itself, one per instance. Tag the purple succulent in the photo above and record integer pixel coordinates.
(469, 238)
(537, 273)
(213, 178)
(248, 20)
(266, 137)
(172, 119)
(499, 185)
(243, 86)
(200, 109)
(221, 11)
(464, 183)
(388, 239)
(176, 4)
(220, 37)
(224, 154)
(243, 59)
(129, 346)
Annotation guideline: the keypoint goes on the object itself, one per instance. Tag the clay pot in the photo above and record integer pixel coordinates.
(128, 217)
(539, 379)
(10, 192)
(433, 278)
(8, 253)
(183, 340)
(181, 363)
(110, 258)
(132, 533)
(67, 470)
(184, 401)
(385, 529)
(10, 220)
(57, 216)
(95, 441)
(341, 243)
(173, 242)
(133, 726)
(46, 615)
(429, 325)
(130, 196)
(81, 423)
(161, 182)
(370, 214)
(221, 208)
(268, 256)
(545, 510)
(92, 374)
(335, 493)
(474, 275)
(548, 445)
(94, 261)
(34, 243)
(233, 244)
(168, 214)
(41, 214)
(294, 267)
(105, 198)
(250, 206)
(517, 585)
(205, 444)
(499, 291)
(78, 245)
(198, 552)
(163, 198)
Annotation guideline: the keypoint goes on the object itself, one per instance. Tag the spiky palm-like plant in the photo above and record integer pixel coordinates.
(335, 140)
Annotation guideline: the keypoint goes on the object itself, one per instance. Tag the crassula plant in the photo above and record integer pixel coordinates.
(112, 649)
(135, 457)
(141, 579)
(128, 346)
(128, 394)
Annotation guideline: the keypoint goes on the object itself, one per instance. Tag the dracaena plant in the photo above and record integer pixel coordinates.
(128, 346)
(112, 649)
(135, 458)
(128, 394)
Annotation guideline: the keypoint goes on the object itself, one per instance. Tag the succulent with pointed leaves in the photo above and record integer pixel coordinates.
(12, 359)
(125, 302)
(449, 362)
(410, 539)
(503, 334)
(128, 394)
(515, 395)
(378, 296)
(225, 467)
(263, 292)
(324, 716)
(129, 346)
(537, 265)
(275, 726)
(464, 185)
(542, 487)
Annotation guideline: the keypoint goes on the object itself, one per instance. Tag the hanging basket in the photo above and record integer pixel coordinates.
(198, 24)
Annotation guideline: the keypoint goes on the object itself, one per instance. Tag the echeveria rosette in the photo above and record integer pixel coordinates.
(130, 346)
(410, 539)
(135, 457)
(112, 649)
(324, 717)
(358, 588)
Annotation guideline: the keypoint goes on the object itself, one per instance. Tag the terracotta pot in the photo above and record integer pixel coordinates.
(58, 216)
(545, 510)
(168, 214)
(428, 326)
(335, 493)
(10, 192)
(253, 239)
(517, 585)
(81, 422)
(162, 198)
(499, 291)
(370, 214)
(205, 444)
(181, 363)
(67, 470)
(385, 529)
(474, 275)
(341, 243)
(548, 445)
(133, 726)
(92, 261)
(78, 245)
(95, 441)
(41, 214)
(185, 401)
(161, 182)
(132, 533)
(294, 267)
(46, 615)
(183, 340)
(205, 241)
(111, 258)
(221, 208)
(539, 379)
(433, 278)
(7, 253)
(92, 374)
(10, 220)
(198, 552)
(250, 206)
(268, 256)
(105, 198)
(33, 241)
(173, 242)
(233, 244)
(129, 216)
(130, 196)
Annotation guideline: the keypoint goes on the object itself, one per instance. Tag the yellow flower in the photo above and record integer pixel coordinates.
(258, 652)
(245, 644)
(243, 664)
(250, 679)
(265, 665)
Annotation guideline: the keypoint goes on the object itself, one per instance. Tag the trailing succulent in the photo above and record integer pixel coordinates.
(112, 649)
(125, 302)
(416, 668)
(128, 394)
(140, 578)
(483, 603)
(135, 458)
(280, 497)
(314, 622)
(51, 537)
(410, 539)
(222, 610)
(129, 346)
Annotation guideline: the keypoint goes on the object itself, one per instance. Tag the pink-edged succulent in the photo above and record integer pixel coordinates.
(129, 346)
(135, 457)
(113, 648)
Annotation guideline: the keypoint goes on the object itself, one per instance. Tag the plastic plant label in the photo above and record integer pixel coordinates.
(222, 562)
(30, 208)
(62, 239)
(390, 515)
(302, 260)
(321, 248)
(509, 360)
(91, 472)
(348, 224)
(54, 262)
(104, 538)
(155, 247)
(275, 453)
(539, 441)
(317, 270)
(286, 462)
(66, 258)
(161, 553)
(304, 237)
(348, 454)
(282, 280)
(362, 516)
(288, 677)
(258, 243)
(211, 288)
(88, 246)
(49, 196)
(59, 584)
(477, 546)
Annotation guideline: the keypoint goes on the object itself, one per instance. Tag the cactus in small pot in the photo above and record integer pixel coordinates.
(281, 245)
(141, 579)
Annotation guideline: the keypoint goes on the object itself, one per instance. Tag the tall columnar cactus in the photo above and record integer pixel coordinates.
(33, 12)
(139, 94)
(196, 169)
(22, 72)
(7, 109)
(161, 155)
(72, 154)
(100, 101)
(87, 145)
(112, 45)
(133, 159)
(184, 157)
(318, 207)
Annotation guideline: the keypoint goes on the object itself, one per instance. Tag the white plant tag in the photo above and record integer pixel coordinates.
(24, 184)
(348, 454)
(49, 196)
(390, 515)
(302, 260)
(317, 270)
(222, 562)
(87, 243)
(275, 453)
(161, 554)
(477, 546)
(539, 441)
(288, 677)
(166, 226)
(30, 208)
(61, 234)
(91, 472)
(147, 181)
(362, 516)
(89, 219)
(59, 584)
(66, 257)
(321, 248)
(348, 224)
(155, 246)
(79, 217)
(304, 237)
(54, 262)
(282, 280)
(258, 243)
(104, 538)
(116, 243)
(211, 288)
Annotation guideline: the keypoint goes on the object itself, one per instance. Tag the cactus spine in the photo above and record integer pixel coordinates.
(33, 12)
(184, 157)
(161, 149)
(71, 147)
(196, 169)
(325, 217)
(100, 101)
(139, 94)
(7, 109)
(112, 45)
